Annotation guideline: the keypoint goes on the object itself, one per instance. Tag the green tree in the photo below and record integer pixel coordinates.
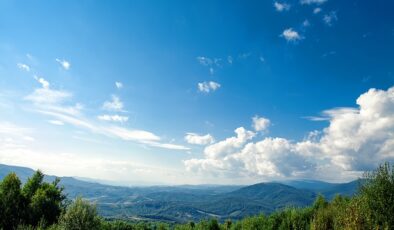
(12, 202)
(47, 203)
(80, 215)
(378, 191)
(45, 200)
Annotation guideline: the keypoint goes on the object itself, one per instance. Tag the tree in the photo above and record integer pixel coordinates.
(12, 203)
(45, 200)
(47, 203)
(378, 193)
(80, 215)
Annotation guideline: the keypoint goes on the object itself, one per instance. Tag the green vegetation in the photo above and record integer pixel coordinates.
(42, 205)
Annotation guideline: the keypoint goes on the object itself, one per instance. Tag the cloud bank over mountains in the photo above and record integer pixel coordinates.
(356, 139)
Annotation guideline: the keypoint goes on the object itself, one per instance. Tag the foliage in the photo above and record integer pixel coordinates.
(12, 202)
(80, 215)
(38, 205)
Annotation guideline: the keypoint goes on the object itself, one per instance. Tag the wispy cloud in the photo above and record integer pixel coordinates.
(114, 105)
(50, 102)
(330, 18)
(119, 85)
(45, 95)
(281, 6)
(64, 63)
(211, 63)
(10, 131)
(56, 122)
(116, 118)
(309, 2)
(291, 35)
(207, 87)
(23, 67)
(204, 61)
(327, 115)
(230, 60)
(306, 23)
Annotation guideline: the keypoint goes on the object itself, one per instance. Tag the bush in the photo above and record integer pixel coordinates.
(80, 215)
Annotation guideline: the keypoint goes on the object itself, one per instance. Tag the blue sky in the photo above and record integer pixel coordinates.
(153, 91)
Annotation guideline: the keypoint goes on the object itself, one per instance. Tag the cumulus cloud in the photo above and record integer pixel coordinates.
(309, 2)
(193, 138)
(355, 140)
(114, 105)
(230, 144)
(291, 35)
(207, 87)
(23, 67)
(119, 85)
(116, 118)
(330, 18)
(281, 6)
(260, 123)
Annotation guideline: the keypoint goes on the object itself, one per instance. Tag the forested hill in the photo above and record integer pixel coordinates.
(185, 203)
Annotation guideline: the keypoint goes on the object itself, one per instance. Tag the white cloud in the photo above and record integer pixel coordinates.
(23, 67)
(291, 35)
(45, 95)
(56, 122)
(317, 10)
(116, 118)
(43, 82)
(51, 103)
(327, 115)
(13, 130)
(205, 61)
(330, 18)
(64, 63)
(306, 23)
(119, 85)
(230, 144)
(193, 138)
(166, 145)
(281, 6)
(260, 124)
(211, 64)
(114, 105)
(356, 139)
(309, 2)
(207, 87)
(108, 168)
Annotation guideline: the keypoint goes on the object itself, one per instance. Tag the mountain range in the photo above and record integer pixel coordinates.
(192, 202)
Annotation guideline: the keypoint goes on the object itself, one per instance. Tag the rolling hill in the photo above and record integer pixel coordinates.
(192, 202)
